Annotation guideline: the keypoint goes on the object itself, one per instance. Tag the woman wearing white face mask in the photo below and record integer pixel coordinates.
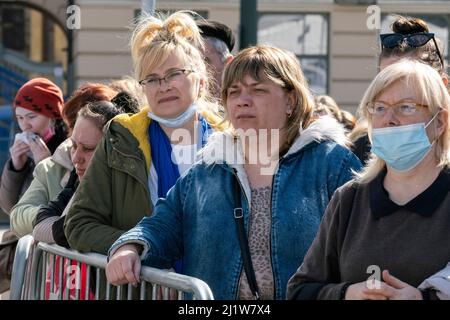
(397, 211)
(142, 155)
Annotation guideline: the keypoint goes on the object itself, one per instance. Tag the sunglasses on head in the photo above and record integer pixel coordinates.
(414, 40)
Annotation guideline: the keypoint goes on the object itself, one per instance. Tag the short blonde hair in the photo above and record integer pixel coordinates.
(419, 78)
(281, 67)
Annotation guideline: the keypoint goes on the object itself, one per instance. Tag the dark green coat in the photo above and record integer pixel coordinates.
(113, 195)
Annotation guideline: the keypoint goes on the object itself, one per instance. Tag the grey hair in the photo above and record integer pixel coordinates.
(220, 47)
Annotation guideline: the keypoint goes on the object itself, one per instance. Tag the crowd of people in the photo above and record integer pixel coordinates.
(229, 169)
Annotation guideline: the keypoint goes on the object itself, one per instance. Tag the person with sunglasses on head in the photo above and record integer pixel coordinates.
(396, 212)
(410, 38)
(141, 156)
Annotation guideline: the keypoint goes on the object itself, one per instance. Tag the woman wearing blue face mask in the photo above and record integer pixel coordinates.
(142, 155)
(378, 231)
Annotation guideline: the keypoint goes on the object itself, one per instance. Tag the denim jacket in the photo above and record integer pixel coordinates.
(196, 222)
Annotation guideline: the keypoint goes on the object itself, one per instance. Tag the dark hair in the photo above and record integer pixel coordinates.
(405, 25)
(215, 29)
(126, 102)
(426, 53)
(99, 112)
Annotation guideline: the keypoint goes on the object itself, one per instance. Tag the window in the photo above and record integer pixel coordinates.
(306, 35)
(12, 28)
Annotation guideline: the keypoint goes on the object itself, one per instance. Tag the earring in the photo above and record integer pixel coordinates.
(289, 113)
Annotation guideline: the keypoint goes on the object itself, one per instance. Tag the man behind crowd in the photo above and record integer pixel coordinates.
(219, 42)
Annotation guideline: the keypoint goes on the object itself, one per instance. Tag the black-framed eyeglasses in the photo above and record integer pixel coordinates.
(170, 77)
(414, 40)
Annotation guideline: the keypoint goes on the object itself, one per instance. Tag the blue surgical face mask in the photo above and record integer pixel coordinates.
(178, 121)
(402, 147)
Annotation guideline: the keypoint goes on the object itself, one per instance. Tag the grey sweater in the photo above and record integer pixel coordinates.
(362, 227)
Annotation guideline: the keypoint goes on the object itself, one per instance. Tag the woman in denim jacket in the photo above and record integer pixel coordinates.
(287, 167)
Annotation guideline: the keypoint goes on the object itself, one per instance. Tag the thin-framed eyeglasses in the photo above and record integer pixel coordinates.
(405, 109)
(414, 40)
(174, 75)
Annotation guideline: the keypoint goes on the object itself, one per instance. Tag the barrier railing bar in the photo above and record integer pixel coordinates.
(44, 260)
(44, 272)
(97, 283)
(88, 282)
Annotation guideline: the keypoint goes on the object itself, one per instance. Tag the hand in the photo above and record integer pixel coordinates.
(39, 149)
(359, 291)
(19, 154)
(395, 289)
(124, 266)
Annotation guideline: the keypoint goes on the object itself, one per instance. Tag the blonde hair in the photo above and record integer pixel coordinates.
(155, 39)
(281, 67)
(419, 78)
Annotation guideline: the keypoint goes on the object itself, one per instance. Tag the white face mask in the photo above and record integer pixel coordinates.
(178, 121)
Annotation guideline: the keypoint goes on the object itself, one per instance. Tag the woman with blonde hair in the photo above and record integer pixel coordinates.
(234, 192)
(141, 156)
(397, 211)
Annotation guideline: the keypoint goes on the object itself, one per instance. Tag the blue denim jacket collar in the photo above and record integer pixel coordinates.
(223, 147)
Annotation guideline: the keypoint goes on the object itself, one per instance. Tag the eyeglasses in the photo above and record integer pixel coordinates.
(406, 109)
(415, 40)
(175, 75)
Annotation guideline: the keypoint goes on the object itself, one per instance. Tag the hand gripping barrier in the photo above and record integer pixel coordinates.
(49, 272)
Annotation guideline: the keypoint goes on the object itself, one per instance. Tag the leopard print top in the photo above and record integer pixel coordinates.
(259, 243)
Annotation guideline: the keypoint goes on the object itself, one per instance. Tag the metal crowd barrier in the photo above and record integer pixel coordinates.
(44, 271)
(21, 258)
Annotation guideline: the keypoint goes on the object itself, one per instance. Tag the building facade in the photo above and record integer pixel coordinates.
(336, 41)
